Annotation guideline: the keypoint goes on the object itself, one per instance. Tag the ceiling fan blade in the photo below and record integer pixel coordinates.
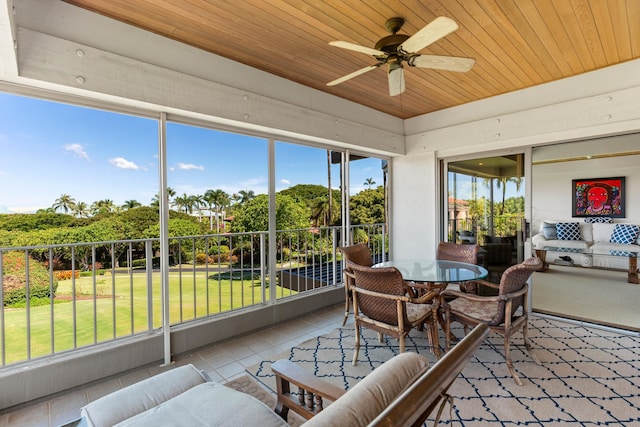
(449, 63)
(352, 75)
(357, 48)
(435, 30)
(396, 81)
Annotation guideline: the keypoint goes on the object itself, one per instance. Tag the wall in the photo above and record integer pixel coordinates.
(552, 193)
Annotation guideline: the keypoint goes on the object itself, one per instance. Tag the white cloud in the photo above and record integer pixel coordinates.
(78, 150)
(189, 166)
(122, 163)
(285, 181)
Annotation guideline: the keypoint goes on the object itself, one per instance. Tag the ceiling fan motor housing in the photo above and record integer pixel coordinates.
(389, 44)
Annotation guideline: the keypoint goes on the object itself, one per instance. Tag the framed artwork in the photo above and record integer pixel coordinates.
(598, 197)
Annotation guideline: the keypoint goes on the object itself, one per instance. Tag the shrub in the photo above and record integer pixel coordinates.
(65, 274)
(15, 280)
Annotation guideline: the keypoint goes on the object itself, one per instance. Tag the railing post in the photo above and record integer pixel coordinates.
(148, 250)
(263, 269)
(3, 335)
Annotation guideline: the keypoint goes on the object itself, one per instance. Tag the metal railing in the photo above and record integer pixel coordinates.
(65, 297)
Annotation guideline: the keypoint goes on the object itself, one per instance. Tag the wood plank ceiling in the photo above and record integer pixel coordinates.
(516, 43)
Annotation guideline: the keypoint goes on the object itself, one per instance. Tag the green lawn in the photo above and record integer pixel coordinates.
(191, 298)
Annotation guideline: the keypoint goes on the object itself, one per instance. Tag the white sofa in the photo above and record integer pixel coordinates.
(595, 240)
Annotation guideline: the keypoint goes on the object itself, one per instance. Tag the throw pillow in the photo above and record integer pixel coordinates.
(625, 234)
(568, 230)
(549, 231)
(598, 220)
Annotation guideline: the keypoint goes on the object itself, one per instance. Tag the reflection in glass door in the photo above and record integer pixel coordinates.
(485, 205)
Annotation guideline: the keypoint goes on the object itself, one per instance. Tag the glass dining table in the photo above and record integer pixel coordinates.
(435, 272)
(435, 275)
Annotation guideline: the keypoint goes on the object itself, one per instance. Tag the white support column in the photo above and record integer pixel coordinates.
(164, 235)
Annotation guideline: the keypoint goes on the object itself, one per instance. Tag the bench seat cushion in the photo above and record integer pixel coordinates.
(208, 404)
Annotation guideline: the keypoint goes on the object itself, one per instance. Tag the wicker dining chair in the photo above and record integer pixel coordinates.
(501, 312)
(449, 251)
(359, 254)
(384, 303)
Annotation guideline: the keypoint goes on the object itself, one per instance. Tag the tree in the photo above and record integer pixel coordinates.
(65, 203)
(182, 202)
(254, 215)
(369, 182)
(102, 206)
(245, 196)
(218, 200)
(130, 204)
(367, 207)
(81, 210)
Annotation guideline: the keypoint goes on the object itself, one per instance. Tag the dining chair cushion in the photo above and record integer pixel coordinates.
(485, 311)
(416, 311)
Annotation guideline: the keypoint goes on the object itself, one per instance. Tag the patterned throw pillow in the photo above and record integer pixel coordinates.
(568, 230)
(624, 234)
(549, 231)
(598, 220)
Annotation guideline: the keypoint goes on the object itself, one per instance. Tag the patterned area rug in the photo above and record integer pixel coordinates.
(588, 376)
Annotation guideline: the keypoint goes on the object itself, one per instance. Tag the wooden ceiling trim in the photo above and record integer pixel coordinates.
(605, 32)
(535, 73)
(618, 13)
(633, 13)
(572, 27)
(584, 17)
(479, 38)
(553, 38)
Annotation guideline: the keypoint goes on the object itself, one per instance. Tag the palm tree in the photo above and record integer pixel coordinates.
(155, 200)
(130, 204)
(246, 195)
(182, 202)
(369, 182)
(81, 210)
(218, 200)
(102, 206)
(64, 202)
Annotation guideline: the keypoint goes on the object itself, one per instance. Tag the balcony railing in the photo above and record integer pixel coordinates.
(75, 296)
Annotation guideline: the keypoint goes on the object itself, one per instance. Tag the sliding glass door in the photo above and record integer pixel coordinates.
(485, 204)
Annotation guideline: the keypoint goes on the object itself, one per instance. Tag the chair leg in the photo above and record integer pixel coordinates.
(401, 343)
(447, 329)
(357, 349)
(347, 303)
(527, 344)
(433, 338)
(507, 356)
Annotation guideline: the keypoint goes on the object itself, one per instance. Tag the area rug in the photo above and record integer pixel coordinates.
(588, 376)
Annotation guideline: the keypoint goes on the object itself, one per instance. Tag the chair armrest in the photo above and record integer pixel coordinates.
(467, 296)
(424, 299)
(484, 283)
(314, 389)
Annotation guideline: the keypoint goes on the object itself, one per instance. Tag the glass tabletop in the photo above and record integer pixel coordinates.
(431, 270)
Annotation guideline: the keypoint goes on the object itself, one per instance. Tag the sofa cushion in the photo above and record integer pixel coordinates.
(367, 399)
(602, 232)
(549, 230)
(598, 220)
(568, 230)
(625, 234)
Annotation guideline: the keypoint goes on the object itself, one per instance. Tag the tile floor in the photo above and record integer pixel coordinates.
(222, 361)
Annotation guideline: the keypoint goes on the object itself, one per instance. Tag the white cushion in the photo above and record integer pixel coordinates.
(602, 232)
(367, 399)
(208, 404)
(136, 398)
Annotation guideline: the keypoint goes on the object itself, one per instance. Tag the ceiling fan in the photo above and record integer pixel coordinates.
(396, 49)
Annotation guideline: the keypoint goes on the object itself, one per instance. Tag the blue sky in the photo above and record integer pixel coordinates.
(48, 149)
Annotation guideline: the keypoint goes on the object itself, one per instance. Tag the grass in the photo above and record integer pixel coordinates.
(121, 309)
